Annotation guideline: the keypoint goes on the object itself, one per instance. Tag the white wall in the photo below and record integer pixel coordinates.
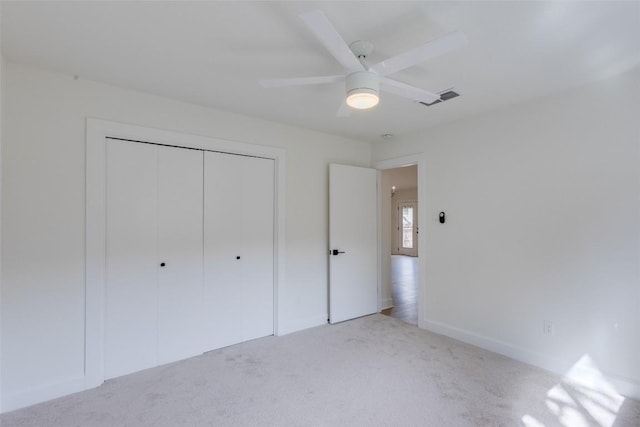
(542, 203)
(43, 180)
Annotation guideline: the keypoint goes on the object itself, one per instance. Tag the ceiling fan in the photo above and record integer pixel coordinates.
(363, 83)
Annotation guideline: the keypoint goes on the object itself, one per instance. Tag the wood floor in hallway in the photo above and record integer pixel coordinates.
(404, 289)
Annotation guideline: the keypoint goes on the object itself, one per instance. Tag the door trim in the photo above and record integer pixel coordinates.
(95, 227)
(383, 247)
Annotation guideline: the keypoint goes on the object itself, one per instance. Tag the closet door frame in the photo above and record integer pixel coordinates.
(97, 132)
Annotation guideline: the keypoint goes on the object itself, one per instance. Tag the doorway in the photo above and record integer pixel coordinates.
(400, 249)
(404, 289)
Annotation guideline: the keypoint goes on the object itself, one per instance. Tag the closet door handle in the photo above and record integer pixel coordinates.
(162, 264)
(238, 257)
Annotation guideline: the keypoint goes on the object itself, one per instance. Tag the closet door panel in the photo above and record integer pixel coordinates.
(131, 257)
(180, 215)
(222, 245)
(257, 247)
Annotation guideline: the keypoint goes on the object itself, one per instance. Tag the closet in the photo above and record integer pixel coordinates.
(238, 248)
(189, 256)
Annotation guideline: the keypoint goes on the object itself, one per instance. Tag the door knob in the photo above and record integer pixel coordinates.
(162, 264)
(336, 252)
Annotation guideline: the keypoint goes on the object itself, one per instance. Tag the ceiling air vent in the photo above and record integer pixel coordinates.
(444, 96)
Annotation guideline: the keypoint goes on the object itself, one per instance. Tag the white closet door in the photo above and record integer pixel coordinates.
(257, 247)
(180, 230)
(222, 271)
(238, 248)
(132, 269)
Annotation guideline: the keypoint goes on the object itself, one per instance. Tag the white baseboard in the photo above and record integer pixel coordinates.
(32, 396)
(300, 324)
(623, 386)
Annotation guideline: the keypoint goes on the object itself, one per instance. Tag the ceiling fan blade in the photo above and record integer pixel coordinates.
(344, 110)
(324, 30)
(421, 53)
(299, 81)
(407, 91)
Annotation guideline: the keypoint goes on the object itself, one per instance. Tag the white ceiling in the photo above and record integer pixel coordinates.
(214, 53)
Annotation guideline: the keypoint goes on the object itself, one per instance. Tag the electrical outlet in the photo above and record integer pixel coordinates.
(548, 328)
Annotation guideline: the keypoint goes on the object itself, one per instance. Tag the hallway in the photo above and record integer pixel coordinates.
(404, 289)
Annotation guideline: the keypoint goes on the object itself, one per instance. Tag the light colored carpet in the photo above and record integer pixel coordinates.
(372, 371)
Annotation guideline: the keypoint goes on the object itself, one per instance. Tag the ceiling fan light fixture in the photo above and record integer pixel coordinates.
(362, 90)
(362, 99)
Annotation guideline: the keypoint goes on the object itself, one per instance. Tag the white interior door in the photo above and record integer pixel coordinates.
(408, 228)
(238, 248)
(132, 258)
(353, 288)
(154, 256)
(222, 269)
(180, 214)
(257, 247)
